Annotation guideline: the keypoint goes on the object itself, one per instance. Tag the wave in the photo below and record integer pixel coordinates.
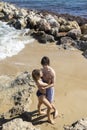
(12, 41)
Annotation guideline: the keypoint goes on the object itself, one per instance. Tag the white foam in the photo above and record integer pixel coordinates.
(12, 41)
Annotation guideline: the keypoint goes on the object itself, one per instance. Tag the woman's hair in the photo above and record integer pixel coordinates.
(36, 74)
(45, 60)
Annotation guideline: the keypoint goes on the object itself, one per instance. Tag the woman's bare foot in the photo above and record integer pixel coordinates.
(55, 115)
(42, 113)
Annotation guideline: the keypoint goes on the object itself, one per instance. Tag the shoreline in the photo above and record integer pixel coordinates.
(66, 31)
(68, 62)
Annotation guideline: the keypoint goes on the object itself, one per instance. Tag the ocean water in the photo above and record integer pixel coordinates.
(73, 7)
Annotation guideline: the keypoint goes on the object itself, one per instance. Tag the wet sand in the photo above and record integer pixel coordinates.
(71, 81)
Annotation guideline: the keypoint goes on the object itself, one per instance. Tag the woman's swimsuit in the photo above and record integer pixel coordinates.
(38, 93)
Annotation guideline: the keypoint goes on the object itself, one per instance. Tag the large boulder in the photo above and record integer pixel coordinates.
(42, 37)
(84, 29)
(43, 25)
(83, 37)
(68, 25)
(67, 42)
(85, 53)
(15, 94)
(74, 34)
(18, 124)
(82, 45)
(78, 125)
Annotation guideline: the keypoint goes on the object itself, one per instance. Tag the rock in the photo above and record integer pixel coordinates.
(1, 16)
(42, 37)
(16, 94)
(62, 21)
(18, 124)
(14, 112)
(85, 53)
(1, 6)
(52, 21)
(22, 79)
(84, 29)
(82, 45)
(32, 20)
(24, 12)
(78, 19)
(74, 34)
(17, 24)
(78, 125)
(83, 37)
(67, 42)
(69, 25)
(16, 100)
(43, 25)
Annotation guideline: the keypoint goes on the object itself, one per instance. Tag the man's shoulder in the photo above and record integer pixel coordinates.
(52, 70)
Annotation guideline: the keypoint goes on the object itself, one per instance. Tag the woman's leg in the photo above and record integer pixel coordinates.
(39, 105)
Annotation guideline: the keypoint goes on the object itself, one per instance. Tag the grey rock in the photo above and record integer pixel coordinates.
(78, 125)
(18, 124)
(74, 34)
(85, 53)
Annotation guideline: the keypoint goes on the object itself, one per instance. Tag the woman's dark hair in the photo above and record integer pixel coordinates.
(36, 74)
(45, 60)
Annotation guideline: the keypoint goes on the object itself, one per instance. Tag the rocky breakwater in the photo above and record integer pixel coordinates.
(15, 100)
(66, 31)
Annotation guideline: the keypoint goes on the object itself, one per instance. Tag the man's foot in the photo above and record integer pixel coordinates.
(55, 115)
(51, 121)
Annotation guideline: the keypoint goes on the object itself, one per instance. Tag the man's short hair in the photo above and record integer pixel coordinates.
(45, 60)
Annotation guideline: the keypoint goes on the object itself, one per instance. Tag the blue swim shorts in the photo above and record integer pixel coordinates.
(50, 94)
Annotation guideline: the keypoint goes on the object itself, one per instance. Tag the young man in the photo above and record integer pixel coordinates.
(49, 77)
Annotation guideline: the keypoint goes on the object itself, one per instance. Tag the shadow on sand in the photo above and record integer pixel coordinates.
(32, 117)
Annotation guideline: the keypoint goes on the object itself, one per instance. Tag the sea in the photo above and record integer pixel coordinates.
(73, 7)
(11, 42)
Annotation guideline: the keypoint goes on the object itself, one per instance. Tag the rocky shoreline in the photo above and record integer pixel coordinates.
(66, 31)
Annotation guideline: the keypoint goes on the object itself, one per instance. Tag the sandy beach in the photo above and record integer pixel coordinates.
(71, 83)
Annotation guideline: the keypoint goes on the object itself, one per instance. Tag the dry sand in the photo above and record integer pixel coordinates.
(71, 82)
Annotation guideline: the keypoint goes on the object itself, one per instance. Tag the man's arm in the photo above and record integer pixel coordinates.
(53, 79)
(45, 85)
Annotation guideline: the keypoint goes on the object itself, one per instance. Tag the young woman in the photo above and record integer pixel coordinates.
(41, 93)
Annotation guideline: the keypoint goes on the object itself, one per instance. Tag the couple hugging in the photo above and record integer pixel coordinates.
(45, 79)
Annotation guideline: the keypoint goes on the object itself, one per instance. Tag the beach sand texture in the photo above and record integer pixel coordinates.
(71, 82)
